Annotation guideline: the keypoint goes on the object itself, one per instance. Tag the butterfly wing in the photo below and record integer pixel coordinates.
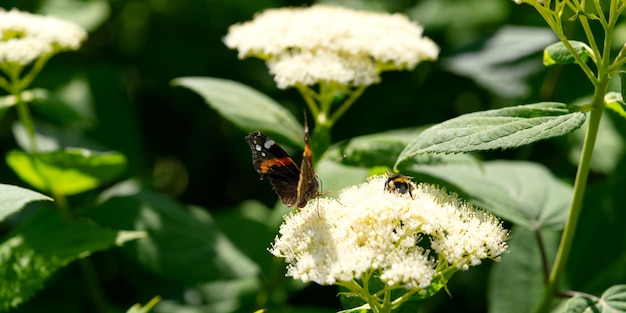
(273, 163)
(308, 186)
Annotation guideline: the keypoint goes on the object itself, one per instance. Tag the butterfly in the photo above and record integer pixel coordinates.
(294, 185)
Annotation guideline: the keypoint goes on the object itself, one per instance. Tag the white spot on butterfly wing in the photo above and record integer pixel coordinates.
(268, 144)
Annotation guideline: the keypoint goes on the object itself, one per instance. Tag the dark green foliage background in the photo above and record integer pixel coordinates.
(185, 150)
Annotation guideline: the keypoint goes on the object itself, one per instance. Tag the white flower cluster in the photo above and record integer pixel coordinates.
(368, 229)
(331, 44)
(24, 37)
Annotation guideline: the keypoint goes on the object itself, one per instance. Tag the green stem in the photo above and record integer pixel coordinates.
(30, 76)
(309, 98)
(553, 19)
(91, 278)
(93, 285)
(4, 84)
(580, 184)
(619, 60)
(387, 305)
(24, 114)
(325, 101)
(16, 85)
(592, 42)
(347, 104)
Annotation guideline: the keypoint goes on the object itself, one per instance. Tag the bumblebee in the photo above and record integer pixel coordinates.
(399, 183)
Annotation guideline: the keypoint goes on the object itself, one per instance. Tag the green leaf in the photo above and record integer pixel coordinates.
(504, 62)
(516, 284)
(88, 14)
(43, 245)
(246, 107)
(67, 172)
(13, 199)
(237, 294)
(456, 18)
(504, 128)
(613, 300)
(51, 138)
(223, 296)
(184, 243)
(615, 101)
(71, 103)
(558, 54)
(382, 150)
(252, 216)
(524, 193)
(578, 304)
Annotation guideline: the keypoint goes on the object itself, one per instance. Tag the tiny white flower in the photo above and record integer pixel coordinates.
(331, 44)
(24, 37)
(311, 68)
(368, 229)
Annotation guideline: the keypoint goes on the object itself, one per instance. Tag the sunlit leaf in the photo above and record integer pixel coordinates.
(13, 199)
(615, 102)
(558, 54)
(503, 128)
(66, 172)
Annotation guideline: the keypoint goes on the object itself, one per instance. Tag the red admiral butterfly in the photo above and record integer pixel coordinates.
(294, 186)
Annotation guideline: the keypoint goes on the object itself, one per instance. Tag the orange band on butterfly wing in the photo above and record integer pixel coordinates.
(267, 164)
